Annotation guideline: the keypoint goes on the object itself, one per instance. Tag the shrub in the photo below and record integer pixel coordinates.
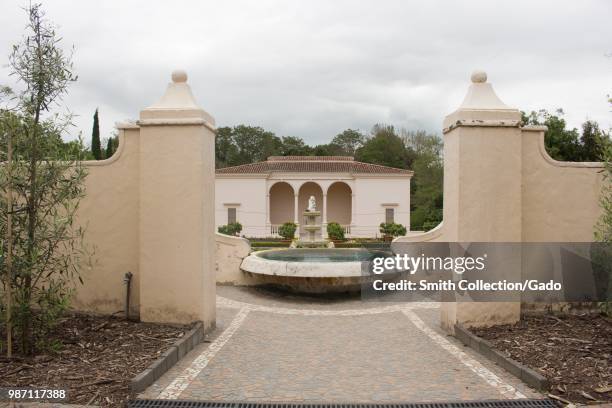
(392, 229)
(233, 228)
(287, 230)
(335, 231)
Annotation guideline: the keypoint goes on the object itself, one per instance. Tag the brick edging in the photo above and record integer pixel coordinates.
(486, 349)
(168, 359)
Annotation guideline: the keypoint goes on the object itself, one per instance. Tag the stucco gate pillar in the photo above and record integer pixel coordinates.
(176, 226)
(482, 189)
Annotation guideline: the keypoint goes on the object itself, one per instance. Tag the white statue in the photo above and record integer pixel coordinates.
(312, 205)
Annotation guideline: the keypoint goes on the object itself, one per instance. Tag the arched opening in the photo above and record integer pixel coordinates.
(339, 203)
(309, 189)
(281, 203)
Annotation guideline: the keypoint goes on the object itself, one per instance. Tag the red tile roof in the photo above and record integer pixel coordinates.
(311, 158)
(311, 164)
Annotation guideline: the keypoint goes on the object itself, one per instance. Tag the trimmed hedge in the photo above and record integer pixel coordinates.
(365, 245)
(266, 239)
(348, 245)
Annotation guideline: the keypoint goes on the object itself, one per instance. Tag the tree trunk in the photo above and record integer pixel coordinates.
(9, 249)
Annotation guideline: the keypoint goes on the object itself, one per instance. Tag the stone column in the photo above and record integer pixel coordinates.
(482, 189)
(352, 211)
(296, 218)
(268, 222)
(176, 225)
(324, 217)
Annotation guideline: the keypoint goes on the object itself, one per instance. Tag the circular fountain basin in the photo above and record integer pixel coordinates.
(311, 270)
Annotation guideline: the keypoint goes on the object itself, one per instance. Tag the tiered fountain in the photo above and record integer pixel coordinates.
(310, 215)
(312, 268)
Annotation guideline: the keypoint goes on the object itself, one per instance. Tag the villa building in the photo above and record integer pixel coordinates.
(359, 196)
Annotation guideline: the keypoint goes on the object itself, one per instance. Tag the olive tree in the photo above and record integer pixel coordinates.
(46, 182)
(603, 233)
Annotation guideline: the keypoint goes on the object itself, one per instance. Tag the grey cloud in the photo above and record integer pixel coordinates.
(314, 68)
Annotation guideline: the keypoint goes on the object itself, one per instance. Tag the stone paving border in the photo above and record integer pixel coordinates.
(493, 380)
(486, 349)
(168, 359)
(180, 383)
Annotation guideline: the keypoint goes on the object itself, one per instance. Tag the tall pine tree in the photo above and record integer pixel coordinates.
(95, 138)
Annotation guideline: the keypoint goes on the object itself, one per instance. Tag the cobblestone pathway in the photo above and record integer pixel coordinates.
(268, 348)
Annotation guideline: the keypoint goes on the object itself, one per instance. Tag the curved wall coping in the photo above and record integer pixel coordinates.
(127, 126)
(228, 239)
(554, 162)
(426, 236)
(117, 155)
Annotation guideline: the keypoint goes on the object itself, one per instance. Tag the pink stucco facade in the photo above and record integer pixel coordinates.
(266, 197)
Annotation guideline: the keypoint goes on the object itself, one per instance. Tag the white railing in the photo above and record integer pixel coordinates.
(274, 229)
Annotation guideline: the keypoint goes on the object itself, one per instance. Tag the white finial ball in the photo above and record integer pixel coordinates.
(179, 76)
(479, 77)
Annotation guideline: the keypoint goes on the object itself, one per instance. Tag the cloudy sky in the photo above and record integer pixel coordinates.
(312, 68)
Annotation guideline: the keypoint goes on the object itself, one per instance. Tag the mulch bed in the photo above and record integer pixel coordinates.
(574, 352)
(95, 360)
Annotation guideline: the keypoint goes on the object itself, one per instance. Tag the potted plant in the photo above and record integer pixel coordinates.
(391, 230)
(232, 229)
(335, 232)
(287, 231)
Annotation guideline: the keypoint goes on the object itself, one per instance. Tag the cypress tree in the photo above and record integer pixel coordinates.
(95, 138)
(109, 147)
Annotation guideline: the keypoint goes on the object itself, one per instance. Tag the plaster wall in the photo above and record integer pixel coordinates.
(282, 203)
(248, 196)
(177, 223)
(371, 196)
(560, 199)
(500, 185)
(230, 253)
(109, 212)
(513, 192)
(134, 212)
(339, 197)
(488, 206)
(149, 210)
